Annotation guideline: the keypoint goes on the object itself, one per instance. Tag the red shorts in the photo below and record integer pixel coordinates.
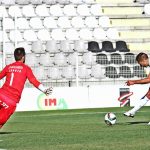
(7, 108)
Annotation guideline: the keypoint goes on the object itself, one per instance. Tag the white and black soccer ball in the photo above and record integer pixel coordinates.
(110, 118)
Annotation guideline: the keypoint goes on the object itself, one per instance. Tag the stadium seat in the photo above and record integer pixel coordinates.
(40, 76)
(51, 46)
(37, 47)
(28, 11)
(91, 22)
(83, 10)
(102, 59)
(36, 2)
(3, 12)
(42, 10)
(112, 33)
(36, 23)
(116, 58)
(22, 23)
(121, 46)
(97, 72)
(72, 34)
(84, 72)
(147, 9)
(63, 2)
(89, 58)
(111, 72)
(99, 34)
(32, 60)
(77, 22)
(56, 10)
(63, 22)
(138, 71)
(8, 2)
(72, 59)
(55, 73)
(50, 22)
(26, 46)
(60, 59)
(68, 72)
(86, 34)
(14, 11)
(29, 35)
(49, 2)
(129, 58)
(93, 46)
(89, 1)
(23, 2)
(43, 35)
(65, 46)
(69, 10)
(3, 36)
(96, 10)
(15, 36)
(57, 34)
(76, 1)
(46, 60)
(107, 46)
(9, 23)
(104, 21)
(80, 46)
(125, 72)
(9, 48)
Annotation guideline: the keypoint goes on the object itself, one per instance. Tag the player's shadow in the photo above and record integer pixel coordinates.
(3, 133)
(137, 122)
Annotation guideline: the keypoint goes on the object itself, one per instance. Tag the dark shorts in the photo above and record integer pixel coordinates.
(7, 108)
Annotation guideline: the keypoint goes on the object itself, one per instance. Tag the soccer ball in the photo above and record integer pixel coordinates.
(110, 118)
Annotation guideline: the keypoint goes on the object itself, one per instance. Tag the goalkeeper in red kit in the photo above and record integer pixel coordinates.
(16, 75)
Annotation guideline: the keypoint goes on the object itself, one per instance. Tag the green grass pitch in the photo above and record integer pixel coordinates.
(76, 130)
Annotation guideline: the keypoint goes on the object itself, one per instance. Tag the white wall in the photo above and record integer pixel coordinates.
(81, 97)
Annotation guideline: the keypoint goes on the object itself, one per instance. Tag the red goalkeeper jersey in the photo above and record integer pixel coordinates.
(16, 75)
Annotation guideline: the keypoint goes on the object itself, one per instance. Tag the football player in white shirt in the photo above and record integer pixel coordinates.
(143, 61)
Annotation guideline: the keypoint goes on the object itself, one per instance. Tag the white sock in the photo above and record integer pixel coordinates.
(140, 104)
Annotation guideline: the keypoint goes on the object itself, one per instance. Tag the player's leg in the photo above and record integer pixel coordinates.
(138, 105)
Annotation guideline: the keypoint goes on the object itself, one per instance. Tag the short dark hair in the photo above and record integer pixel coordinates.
(19, 53)
(141, 56)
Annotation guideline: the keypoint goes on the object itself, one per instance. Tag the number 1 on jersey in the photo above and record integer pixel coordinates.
(11, 79)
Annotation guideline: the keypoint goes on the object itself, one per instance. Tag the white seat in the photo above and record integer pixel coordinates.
(3, 36)
(56, 10)
(37, 47)
(97, 71)
(91, 22)
(51, 46)
(43, 35)
(14, 11)
(80, 46)
(28, 11)
(77, 22)
(25, 45)
(57, 34)
(89, 58)
(9, 60)
(76, 1)
(68, 72)
(89, 1)
(49, 2)
(72, 59)
(31, 60)
(65, 46)
(99, 34)
(9, 23)
(22, 23)
(83, 10)
(40, 76)
(15, 36)
(104, 21)
(112, 33)
(9, 48)
(36, 23)
(63, 22)
(3, 11)
(36, 2)
(147, 9)
(70, 10)
(50, 22)
(55, 73)
(46, 60)
(96, 10)
(8, 2)
(85, 34)
(29, 35)
(64, 2)
(83, 72)
(42, 10)
(72, 34)
(23, 2)
(60, 59)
